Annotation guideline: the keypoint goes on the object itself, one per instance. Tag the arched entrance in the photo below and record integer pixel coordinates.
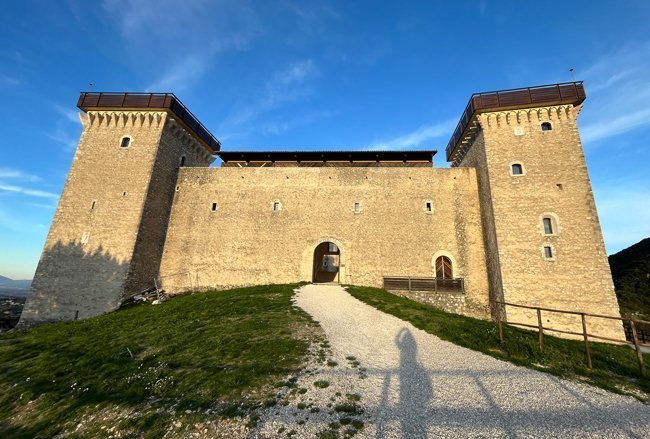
(327, 260)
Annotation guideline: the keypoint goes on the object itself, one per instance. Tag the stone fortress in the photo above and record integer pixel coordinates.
(512, 220)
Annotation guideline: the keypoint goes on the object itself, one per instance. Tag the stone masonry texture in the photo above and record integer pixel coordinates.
(129, 217)
(555, 184)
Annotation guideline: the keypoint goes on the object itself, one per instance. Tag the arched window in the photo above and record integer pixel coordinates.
(546, 126)
(549, 226)
(517, 169)
(183, 161)
(126, 141)
(443, 268)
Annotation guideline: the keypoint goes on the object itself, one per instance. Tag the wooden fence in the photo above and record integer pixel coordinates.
(584, 334)
(434, 284)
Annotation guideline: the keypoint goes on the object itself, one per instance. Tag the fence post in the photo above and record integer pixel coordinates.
(409, 284)
(499, 323)
(541, 329)
(639, 355)
(584, 334)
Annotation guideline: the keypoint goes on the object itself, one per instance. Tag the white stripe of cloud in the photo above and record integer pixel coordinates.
(418, 137)
(617, 92)
(15, 174)
(26, 191)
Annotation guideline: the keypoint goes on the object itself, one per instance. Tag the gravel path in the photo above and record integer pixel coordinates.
(412, 384)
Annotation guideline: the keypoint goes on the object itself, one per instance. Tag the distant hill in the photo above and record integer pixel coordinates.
(631, 273)
(10, 287)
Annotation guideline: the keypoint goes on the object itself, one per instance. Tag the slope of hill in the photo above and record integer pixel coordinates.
(631, 273)
(150, 371)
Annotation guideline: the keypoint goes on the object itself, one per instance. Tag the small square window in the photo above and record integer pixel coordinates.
(126, 141)
(548, 252)
(517, 169)
(214, 207)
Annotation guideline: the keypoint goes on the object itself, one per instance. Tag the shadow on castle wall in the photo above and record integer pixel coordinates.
(73, 283)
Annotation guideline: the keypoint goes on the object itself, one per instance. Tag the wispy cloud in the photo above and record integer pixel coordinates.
(288, 84)
(26, 191)
(15, 174)
(618, 91)
(62, 133)
(69, 114)
(417, 137)
(10, 80)
(162, 30)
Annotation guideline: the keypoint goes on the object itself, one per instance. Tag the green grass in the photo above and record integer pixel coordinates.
(216, 350)
(615, 368)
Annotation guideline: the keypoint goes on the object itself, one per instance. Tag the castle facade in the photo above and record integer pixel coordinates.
(512, 220)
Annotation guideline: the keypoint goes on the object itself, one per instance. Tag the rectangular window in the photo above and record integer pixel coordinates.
(548, 252)
(214, 207)
(333, 248)
(357, 207)
(548, 226)
(276, 206)
(428, 207)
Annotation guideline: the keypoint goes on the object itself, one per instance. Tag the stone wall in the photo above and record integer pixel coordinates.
(449, 301)
(555, 183)
(112, 207)
(244, 242)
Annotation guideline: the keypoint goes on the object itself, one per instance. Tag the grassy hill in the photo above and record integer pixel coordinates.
(631, 273)
(196, 357)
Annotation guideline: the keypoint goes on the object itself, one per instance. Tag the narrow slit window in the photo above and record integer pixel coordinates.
(357, 207)
(126, 141)
(276, 206)
(546, 126)
(214, 207)
(183, 159)
(93, 204)
(517, 169)
(548, 226)
(548, 252)
(428, 206)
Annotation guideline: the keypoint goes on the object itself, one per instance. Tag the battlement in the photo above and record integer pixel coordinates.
(512, 99)
(151, 102)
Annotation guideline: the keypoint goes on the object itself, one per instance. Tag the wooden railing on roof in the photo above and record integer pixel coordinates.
(553, 94)
(164, 101)
(633, 323)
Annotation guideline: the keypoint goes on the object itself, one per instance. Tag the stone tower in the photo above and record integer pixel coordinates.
(106, 239)
(543, 240)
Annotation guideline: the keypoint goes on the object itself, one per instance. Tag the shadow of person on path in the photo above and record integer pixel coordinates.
(415, 388)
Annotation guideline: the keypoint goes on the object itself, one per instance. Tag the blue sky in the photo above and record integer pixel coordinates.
(317, 75)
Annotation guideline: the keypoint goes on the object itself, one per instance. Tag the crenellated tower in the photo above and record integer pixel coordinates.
(107, 236)
(542, 235)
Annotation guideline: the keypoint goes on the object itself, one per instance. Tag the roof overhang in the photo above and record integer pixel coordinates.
(327, 156)
(151, 102)
(517, 98)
